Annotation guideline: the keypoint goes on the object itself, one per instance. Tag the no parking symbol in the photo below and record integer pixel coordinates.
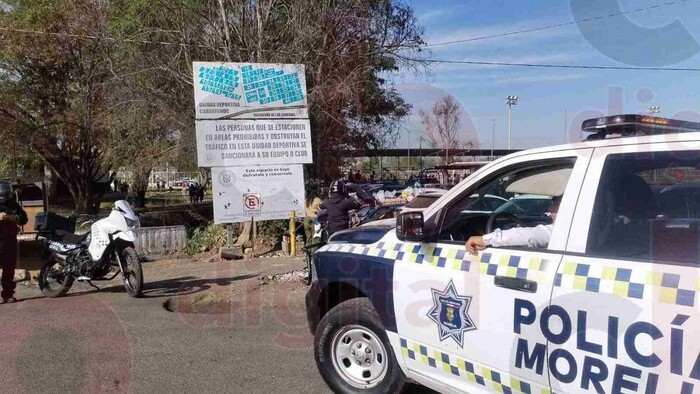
(251, 202)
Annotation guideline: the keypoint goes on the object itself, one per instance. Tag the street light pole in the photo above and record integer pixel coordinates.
(510, 101)
(408, 144)
(566, 136)
(493, 135)
(510, 126)
(420, 144)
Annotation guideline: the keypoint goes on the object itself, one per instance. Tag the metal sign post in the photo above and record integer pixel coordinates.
(293, 234)
(255, 232)
(229, 235)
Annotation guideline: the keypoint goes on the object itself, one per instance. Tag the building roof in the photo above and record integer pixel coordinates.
(425, 152)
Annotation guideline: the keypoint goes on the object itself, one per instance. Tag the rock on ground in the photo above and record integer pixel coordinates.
(293, 276)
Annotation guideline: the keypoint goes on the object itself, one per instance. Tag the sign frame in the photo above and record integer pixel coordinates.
(279, 189)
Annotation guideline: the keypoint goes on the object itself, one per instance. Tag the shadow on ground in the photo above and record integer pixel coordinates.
(188, 285)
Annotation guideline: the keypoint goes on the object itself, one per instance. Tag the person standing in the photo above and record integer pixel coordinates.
(11, 217)
(338, 206)
(312, 205)
(200, 193)
(358, 177)
(192, 189)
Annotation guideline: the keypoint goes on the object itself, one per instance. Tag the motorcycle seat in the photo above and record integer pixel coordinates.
(70, 238)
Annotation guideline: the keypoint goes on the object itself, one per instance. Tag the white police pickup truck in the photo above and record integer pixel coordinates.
(610, 305)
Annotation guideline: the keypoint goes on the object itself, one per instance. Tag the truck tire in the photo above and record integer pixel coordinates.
(353, 353)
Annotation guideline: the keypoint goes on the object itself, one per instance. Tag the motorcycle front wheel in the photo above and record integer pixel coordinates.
(132, 272)
(53, 281)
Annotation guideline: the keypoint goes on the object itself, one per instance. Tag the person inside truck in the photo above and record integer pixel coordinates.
(534, 237)
(526, 190)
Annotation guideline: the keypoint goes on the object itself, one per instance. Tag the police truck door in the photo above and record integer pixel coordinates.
(625, 305)
(465, 321)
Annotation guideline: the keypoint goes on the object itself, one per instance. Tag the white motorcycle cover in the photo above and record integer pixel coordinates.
(121, 223)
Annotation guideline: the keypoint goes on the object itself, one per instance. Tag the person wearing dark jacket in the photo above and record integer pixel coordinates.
(192, 189)
(199, 195)
(338, 206)
(11, 217)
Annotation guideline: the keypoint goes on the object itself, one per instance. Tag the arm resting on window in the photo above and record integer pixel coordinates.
(533, 237)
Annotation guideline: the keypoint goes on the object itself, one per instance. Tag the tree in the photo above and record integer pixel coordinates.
(144, 138)
(53, 90)
(442, 125)
(143, 124)
(18, 163)
(350, 48)
(109, 84)
(356, 107)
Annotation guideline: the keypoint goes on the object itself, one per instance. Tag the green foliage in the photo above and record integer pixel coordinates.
(213, 236)
(86, 106)
(5, 167)
(54, 93)
(273, 229)
(203, 239)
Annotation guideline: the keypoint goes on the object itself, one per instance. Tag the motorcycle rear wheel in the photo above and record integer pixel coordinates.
(133, 272)
(53, 282)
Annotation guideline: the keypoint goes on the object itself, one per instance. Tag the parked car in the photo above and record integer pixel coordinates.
(425, 199)
(389, 211)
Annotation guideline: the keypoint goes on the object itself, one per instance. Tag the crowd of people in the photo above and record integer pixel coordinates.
(196, 191)
(162, 186)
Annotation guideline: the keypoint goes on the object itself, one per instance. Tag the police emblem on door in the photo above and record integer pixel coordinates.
(450, 312)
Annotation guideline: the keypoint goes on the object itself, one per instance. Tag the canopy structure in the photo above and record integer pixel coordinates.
(413, 152)
(390, 164)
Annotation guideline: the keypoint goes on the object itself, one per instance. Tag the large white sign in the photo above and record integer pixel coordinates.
(260, 192)
(249, 91)
(223, 143)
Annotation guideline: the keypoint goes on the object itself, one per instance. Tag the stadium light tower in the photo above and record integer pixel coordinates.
(654, 109)
(510, 101)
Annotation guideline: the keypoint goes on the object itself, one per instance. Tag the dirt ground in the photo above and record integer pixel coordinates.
(209, 285)
(206, 284)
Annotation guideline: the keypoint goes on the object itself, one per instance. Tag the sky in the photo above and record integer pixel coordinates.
(553, 102)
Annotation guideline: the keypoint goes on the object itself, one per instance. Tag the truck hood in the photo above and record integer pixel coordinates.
(365, 234)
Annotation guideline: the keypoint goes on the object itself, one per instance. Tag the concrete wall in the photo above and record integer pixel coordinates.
(152, 241)
(161, 240)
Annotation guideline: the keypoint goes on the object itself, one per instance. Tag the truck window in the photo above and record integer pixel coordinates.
(470, 214)
(647, 207)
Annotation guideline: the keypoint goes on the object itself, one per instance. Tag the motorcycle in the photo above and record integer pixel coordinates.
(100, 255)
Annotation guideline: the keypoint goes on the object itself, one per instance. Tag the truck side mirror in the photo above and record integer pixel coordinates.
(409, 227)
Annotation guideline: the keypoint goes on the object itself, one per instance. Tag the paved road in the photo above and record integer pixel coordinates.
(105, 341)
(108, 342)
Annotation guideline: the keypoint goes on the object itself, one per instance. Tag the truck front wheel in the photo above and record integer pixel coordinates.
(353, 352)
